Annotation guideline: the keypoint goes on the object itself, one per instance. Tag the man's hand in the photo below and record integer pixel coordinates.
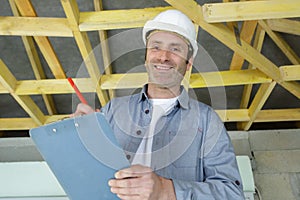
(139, 182)
(83, 109)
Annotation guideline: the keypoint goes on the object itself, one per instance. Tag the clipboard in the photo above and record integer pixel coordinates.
(82, 153)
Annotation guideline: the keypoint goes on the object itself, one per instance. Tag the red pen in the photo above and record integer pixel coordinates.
(80, 96)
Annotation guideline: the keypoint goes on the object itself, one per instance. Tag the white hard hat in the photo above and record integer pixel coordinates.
(173, 21)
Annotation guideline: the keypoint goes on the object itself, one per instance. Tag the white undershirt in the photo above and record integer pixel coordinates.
(161, 107)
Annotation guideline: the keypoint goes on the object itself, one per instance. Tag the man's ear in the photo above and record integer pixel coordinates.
(189, 63)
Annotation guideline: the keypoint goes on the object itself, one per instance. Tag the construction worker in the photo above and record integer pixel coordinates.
(178, 147)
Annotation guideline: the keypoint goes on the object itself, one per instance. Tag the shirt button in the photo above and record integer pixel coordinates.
(147, 111)
(138, 132)
(237, 182)
(128, 157)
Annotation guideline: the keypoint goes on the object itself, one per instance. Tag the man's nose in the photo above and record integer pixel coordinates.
(164, 55)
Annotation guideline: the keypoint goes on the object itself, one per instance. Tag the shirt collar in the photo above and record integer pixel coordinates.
(183, 99)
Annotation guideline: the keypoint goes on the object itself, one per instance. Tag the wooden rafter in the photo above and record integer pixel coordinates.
(104, 48)
(34, 26)
(9, 82)
(117, 19)
(35, 62)
(223, 33)
(257, 44)
(85, 47)
(136, 80)
(250, 10)
(278, 115)
(284, 47)
(284, 26)
(259, 100)
(261, 70)
(247, 32)
(290, 73)
(26, 9)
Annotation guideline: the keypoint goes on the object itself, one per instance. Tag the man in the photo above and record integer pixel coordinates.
(178, 147)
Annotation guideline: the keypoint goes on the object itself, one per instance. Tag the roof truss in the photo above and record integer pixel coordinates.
(261, 70)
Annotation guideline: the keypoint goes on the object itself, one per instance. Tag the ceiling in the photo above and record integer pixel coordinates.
(247, 67)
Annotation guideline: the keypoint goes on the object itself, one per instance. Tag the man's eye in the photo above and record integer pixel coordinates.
(154, 48)
(175, 49)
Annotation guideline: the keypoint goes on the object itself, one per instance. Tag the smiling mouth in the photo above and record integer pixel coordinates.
(163, 67)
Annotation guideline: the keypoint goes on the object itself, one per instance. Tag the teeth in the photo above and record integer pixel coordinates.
(162, 67)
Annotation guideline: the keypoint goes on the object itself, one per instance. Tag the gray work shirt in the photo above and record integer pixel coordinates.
(190, 145)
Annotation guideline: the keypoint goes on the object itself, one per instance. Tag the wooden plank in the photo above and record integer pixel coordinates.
(8, 124)
(284, 47)
(26, 123)
(197, 80)
(247, 32)
(53, 86)
(104, 48)
(124, 81)
(290, 73)
(228, 78)
(257, 44)
(85, 47)
(233, 115)
(231, 25)
(284, 26)
(9, 82)
(117, 19)
(26, 9)
(34, 26)
(136, 80)
(51, 57)
(224, 34)
(278, 115)
(250, 10)
(35, 62)
(259, 100)
(38, 71)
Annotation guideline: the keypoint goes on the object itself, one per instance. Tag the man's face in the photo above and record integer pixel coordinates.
(166, 59)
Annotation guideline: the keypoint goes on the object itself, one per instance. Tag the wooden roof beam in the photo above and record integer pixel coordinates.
(224, 34)
(290, 73)
(279, 41)
(26, 9)
(35, 62)
(247, 32)
(34, 26)
(259, 100)
(117, 19)
(104, 48)
(72, 12)
(257, 44)
(284, 26)
(8, 80)
(136, 80)
(278, 115)
(250, 10)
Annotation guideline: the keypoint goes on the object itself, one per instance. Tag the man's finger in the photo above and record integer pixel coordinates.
(128, 183)
(133, 171)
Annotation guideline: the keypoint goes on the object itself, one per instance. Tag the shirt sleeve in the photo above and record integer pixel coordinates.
(219, 167)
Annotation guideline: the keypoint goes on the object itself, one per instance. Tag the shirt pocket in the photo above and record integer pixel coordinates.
(186, 166)
(185, 169)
